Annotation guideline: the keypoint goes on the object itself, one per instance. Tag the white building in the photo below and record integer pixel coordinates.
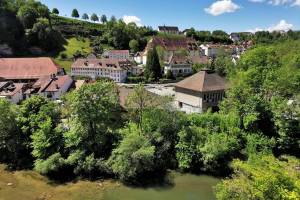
(178, 65)
(119, 54)
(199, 92)
(209, 50)
(114, 69)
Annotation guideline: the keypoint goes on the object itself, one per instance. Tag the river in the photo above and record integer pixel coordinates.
(184, 187)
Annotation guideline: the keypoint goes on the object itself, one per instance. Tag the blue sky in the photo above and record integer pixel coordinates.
(228, 15)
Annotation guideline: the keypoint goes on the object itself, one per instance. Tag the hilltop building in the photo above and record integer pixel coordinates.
(200, 92)
(168, 29)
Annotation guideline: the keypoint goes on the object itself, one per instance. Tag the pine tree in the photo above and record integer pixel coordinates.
(153, 68)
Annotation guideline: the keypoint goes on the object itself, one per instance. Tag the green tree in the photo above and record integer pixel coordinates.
(103, 19)
(134, 46)
(113, 19)
(134, 157)
(28, 16)
(262, 177)
(94, 17)
(75, 13)
(85, 16)
(55, 11)
(153, 68)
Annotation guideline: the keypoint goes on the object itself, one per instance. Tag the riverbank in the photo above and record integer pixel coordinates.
(30, 185)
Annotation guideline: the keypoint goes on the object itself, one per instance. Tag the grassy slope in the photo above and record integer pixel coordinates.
(30, 185)
(71, 47)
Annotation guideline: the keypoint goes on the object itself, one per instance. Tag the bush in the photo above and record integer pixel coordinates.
(63, 56)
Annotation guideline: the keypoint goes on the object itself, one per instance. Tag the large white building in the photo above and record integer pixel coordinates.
(115, 69)
(209, 50)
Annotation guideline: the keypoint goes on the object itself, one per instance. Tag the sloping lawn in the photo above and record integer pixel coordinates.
(73, 45)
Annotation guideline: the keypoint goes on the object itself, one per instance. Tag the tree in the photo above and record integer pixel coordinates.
(103, 19)
(113, 19)
(28, 16)
(55, 11)
(10, 135)
(262, 177)
(153, 68)
(85, 16)
(134, 157)
(134, 46)
(141, 100)
(170, 75)
(75, 13)
(94, 116)
(94, 17)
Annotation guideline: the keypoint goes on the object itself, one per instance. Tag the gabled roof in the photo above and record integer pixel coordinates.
(168, 28)
(172, 44)
(113, 64)
(203, 81)
(27, 68)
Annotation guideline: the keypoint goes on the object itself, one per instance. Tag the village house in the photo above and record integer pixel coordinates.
(198, 93)
(172, 46)
(209, 50)
(118, 54)
(24, 77)
(11, 91)
(168, 29)
(115, 69)
(178, 65)
(24, 70)
(138, 57)
(234, 37)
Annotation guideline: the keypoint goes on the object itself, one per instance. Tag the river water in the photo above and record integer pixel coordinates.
(183, 187)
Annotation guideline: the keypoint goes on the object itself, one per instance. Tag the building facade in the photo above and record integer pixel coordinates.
(169, 29)
(114, 69)
(178, 65)
(198, 93)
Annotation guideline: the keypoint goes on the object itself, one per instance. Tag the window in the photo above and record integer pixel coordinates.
(180, 104)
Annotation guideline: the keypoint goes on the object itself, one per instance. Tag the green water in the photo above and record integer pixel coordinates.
(184, 187)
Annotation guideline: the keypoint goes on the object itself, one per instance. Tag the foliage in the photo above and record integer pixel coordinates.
(134, 157)
(75, 13)
(134, 46)
(94, 17)
(153, 68)
(209, 143)
(85, 16)
(55, 11)
(263, 177)
(103, 19)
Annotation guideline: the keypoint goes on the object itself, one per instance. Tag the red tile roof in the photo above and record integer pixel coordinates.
(113, 64)
(172, 44)
(27, 68)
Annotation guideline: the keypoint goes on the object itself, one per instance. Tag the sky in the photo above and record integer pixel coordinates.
(227, 15)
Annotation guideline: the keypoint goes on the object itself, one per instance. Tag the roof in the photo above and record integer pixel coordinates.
(10, 89)
(57, 83)
(179, 59)
(113, 64)
(168, 28)
(119, 51)
(203, 81)
(200, 59)
(27, 68)
(173, 44)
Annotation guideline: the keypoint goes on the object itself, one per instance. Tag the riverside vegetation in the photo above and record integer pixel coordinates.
(89, 136)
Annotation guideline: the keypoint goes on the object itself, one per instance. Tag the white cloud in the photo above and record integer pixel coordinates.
(257, 1)
(128, 19)
(279, 2)
(221, 7)
(282, 25)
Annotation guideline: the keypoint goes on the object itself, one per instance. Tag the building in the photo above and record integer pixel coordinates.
(11, 91)
(179, 65)
(200, 92)
(50, 87)
(114, 69)
(25, 70)
(172, 46)
(209, 50)
(234, 37)
(118, 54)
(169, 29)
(138, 57)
